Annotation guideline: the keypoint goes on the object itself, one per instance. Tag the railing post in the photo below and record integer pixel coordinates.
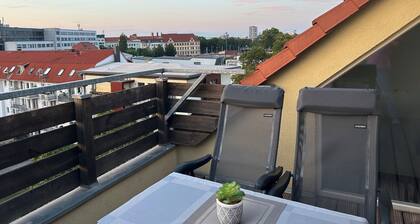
(84, 122)
(162, 108)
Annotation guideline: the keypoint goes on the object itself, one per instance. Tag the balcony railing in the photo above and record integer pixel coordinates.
(93, 135)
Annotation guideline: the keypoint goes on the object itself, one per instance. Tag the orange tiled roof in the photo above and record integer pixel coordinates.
(320, 27)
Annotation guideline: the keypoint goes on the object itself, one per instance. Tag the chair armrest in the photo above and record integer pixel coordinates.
(385, 207)
(281, 185)
(189, 167)
(266, 181)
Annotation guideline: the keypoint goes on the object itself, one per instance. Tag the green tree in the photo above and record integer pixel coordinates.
(267, 38)
(170, 50)
(146, 52)
(132, 51)
(253, 57)
(123, 42)
(158, 51)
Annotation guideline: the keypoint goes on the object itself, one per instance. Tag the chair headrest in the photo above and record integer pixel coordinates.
(337, 101)
(253, 96)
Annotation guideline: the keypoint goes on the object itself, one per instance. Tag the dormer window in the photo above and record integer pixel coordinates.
(5, 69)
(31, 70)
(60, 72)
(72, 73)
(47, 71)
(12, 69)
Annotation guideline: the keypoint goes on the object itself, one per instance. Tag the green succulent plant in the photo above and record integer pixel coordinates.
(230, 193)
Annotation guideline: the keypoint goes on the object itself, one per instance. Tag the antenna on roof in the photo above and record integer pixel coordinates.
(78, 26)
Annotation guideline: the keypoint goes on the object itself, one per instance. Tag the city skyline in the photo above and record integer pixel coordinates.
(128, 16)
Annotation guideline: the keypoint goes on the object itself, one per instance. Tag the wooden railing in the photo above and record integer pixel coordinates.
(200, 114)
(48, 152)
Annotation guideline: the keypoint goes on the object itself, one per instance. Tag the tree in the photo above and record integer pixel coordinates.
(158, 51)
(170, 50)
(253, 57)
(132, 51)
(146, 52)
(267, 38)
(123, 42)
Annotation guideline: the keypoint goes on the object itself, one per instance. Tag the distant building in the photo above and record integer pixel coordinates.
(23, 70)
(100, 41)
(17, 34)
(185, 44)
(253, 32)
(33, 39)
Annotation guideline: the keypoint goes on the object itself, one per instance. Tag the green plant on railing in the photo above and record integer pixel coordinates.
(230, 193)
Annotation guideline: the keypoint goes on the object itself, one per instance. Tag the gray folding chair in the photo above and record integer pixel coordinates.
(247, 138)
(336, 154)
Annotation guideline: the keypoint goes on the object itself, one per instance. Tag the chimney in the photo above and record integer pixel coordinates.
(153, 34)
(117, 54)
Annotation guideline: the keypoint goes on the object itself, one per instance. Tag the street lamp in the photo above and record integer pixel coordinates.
(226, 40)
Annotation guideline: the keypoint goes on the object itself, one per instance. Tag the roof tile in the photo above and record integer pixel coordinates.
(334, 17)
(298, 44)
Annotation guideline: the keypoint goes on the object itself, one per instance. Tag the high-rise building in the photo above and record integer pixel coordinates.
(253, 32)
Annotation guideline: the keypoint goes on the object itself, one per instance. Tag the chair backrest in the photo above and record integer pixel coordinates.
(248, 133)
(336, 165)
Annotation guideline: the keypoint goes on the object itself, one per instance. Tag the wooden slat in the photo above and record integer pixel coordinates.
(23, 204)
(121, 156)
(22, 150)
(410, 218)
(125, 135)
(397, 217)
(116, 119)
(26, 176)
(194, 123)
(20, 124)
(199, 107)
(204, 90)
(187, 138)
(124, 98)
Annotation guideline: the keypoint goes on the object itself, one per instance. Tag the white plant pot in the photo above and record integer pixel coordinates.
(229, 214)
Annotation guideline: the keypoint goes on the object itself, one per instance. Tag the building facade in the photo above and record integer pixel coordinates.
(253, 32)
(18, 34)
(185, 44)
(33, 39)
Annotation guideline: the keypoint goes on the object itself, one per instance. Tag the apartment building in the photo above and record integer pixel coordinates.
(24, 70)
(185, 44)
(136, 42)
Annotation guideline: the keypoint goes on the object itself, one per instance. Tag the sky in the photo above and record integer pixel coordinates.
(203, 17)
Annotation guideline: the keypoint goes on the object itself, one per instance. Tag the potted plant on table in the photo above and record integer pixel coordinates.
(229, 203)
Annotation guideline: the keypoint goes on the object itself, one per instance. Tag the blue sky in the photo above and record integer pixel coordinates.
(203, 17)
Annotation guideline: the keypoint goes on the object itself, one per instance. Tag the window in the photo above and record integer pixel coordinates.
(31, 70)
(34, 104)
(53, 103)
(47, 71)
(72, 73)
(12, 69)
(60, 72)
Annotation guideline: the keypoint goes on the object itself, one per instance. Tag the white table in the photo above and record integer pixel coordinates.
(177, 198)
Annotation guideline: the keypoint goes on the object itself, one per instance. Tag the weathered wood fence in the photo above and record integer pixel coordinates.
(48, 152)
